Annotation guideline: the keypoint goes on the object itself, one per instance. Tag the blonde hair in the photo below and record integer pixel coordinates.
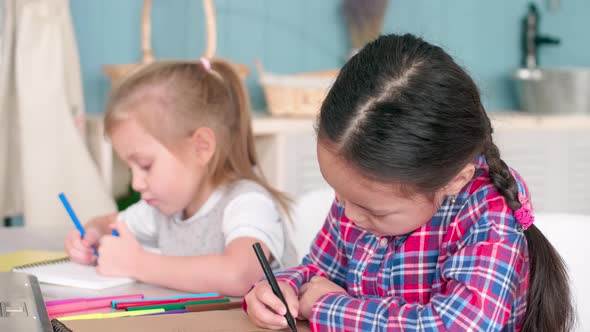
(180, 97)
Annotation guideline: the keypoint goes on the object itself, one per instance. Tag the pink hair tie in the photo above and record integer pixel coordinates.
(206, 63)
(524, 215)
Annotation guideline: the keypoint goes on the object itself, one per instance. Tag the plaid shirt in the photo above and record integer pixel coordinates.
(465, 270)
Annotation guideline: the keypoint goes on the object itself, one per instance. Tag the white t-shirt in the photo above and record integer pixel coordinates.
(244, 214)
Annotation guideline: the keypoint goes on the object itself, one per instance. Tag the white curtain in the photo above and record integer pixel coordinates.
(41, 107)
(10, 188)
(1, 25)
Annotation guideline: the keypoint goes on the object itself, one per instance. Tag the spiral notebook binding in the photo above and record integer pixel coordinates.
(59, 326)
(46, 262)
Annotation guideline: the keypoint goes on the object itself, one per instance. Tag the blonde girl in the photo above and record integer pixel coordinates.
(184, 130)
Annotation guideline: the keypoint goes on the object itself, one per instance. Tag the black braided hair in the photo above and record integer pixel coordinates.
(546, 298)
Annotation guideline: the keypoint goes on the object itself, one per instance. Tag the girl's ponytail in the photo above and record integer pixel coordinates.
(242, 159)
(243, 150)
(501, 176)
(549, 306)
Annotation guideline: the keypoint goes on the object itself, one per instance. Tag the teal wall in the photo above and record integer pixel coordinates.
(305, 35)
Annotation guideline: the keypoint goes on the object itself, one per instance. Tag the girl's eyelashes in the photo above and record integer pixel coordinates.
(378, 215)
(145, 167)
(383, 214)
(142, 165)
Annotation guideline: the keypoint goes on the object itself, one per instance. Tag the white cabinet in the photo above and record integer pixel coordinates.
(552, 153)
(286, 149)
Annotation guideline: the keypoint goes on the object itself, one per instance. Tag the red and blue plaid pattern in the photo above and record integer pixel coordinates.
(465, 270)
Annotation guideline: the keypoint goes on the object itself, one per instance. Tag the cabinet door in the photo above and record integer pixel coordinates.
(289, 162)
(302, 164)
(553, 160)
(578, 171)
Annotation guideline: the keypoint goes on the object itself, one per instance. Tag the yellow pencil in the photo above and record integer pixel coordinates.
(112, 314)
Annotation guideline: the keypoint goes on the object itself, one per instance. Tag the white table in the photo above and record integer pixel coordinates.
(20, 238)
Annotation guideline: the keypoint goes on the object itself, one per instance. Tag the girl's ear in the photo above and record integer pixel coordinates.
(460, 180)
(204, 143)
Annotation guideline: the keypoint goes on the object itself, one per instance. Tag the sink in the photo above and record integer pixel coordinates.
(554, 90)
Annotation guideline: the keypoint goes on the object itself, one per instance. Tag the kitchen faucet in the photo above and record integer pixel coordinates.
(531, 39)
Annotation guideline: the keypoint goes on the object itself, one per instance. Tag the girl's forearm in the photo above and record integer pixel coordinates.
(196, 274)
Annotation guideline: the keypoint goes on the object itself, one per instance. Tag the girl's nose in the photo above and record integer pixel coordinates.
(138, 183)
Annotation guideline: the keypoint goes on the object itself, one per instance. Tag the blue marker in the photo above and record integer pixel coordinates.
(74, 218)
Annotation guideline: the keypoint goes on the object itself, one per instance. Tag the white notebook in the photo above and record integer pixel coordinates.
(66, 273)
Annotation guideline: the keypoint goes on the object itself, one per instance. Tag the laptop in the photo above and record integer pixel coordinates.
(21, 304)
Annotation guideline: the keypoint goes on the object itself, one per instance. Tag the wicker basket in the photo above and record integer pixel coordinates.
(117, 72)
(298, 94)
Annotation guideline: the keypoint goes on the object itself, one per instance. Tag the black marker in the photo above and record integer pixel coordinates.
(273, 283)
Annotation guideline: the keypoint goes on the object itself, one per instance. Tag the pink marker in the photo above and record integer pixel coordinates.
(88, 304)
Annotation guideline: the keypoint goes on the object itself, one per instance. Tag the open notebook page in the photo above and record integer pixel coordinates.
(71, 274)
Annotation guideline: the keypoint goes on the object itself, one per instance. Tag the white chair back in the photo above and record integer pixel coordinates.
(568, 233)
(309, 213)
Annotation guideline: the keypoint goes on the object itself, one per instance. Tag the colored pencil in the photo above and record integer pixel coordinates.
(214, 306)
(175, 306)
(125, 305)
